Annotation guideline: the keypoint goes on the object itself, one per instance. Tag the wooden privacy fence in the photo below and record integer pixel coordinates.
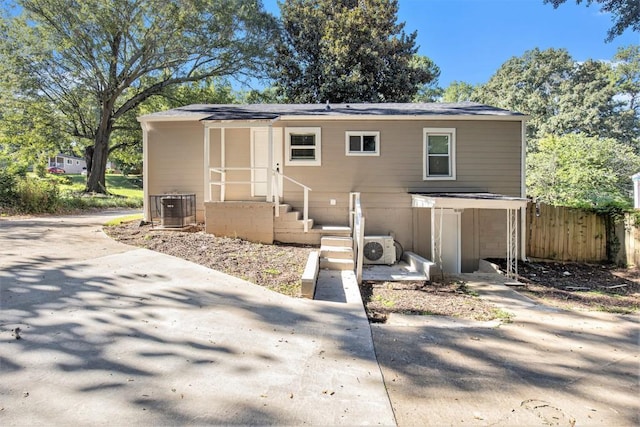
(630, 234)
(565, 234)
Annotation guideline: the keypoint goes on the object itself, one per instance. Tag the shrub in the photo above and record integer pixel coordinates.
(36, 195)
(7, 188)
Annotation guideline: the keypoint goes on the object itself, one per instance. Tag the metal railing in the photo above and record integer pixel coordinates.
(305, 200)
(275, 187)
(356, 223)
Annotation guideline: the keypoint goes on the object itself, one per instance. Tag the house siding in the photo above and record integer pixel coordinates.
(175, 155)
(488, 159)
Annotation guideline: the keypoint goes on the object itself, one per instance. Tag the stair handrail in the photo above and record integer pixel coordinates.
(276, 193)
(356, 223)
(306, 189)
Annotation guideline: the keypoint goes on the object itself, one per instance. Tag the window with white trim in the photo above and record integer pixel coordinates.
(362, 143)
(69, 162)
(303, 146)
(439, 154)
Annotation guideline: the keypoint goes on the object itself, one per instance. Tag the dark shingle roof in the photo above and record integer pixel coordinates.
(273, 111)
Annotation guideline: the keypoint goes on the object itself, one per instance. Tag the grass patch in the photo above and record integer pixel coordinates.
(124, 192)
(502, 315)
(124, 219)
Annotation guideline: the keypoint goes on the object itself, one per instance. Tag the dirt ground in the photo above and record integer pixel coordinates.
(279, 267)
(580, 286)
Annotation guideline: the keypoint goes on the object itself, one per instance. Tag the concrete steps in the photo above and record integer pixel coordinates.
(336, 245)
(336, 253)
(289, 228)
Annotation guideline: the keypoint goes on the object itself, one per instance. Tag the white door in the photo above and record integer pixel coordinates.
(260, 159)
(447, 239)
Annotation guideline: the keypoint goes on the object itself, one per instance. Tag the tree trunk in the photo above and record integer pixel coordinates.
(96, 181)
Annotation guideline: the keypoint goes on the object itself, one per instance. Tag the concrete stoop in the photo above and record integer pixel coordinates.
(288, 227)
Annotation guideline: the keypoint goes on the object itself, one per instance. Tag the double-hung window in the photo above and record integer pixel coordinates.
(362, 143)
(303, 146)
(439, 154)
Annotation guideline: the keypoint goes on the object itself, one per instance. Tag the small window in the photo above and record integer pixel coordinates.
(362, 143)
(69, 161)
(303, 146)
(439, 154)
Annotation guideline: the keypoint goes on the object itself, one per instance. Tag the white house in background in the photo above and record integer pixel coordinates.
(70, 164)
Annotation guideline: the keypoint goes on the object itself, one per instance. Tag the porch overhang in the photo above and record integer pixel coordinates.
(461, 201)
(466, 201)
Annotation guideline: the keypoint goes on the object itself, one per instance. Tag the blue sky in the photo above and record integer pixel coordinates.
(470, 39)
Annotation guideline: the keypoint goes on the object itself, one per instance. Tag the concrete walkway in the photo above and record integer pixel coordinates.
(111, 334)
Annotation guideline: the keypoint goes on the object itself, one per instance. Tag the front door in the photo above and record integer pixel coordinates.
(260, 159)
(446, 239)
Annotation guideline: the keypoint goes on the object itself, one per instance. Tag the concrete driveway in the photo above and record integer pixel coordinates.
(111, 334)
(547, 367)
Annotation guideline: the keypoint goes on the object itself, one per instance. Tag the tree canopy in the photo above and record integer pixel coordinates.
(625, 14)
(348, 51)
(580, 171)
(562, 96)
(95, 61)
(458, 92)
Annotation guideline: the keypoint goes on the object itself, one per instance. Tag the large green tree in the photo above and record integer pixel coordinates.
(458, 92)
(529, 84)
(624, 14)
(348, 51)
(563, 96)
(98, 60)
(580, 171)
(126, 141)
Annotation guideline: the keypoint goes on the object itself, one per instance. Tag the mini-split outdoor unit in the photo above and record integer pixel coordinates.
(379, 250)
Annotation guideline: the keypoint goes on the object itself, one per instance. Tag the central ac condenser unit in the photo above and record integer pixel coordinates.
(379, 250)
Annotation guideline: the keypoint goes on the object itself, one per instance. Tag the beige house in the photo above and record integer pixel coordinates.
(445, 180)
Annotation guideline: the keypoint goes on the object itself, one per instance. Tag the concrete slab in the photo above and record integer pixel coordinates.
(399, 272)
(111, 334)
(547, 367)
(340, 286)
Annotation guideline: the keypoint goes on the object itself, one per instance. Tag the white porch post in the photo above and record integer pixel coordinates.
(145, 170)
(523, 192)
(207, 164)
(223, 164)
(512, 243)
(270, 165)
